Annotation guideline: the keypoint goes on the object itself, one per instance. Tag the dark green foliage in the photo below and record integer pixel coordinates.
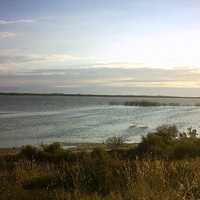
(167, 143)
(53, 148)
(187, 148)
(115, 142)
(29, 152)
(100, 154)
(158, 144)
(52, 153)
(152, 146)
(167, 132)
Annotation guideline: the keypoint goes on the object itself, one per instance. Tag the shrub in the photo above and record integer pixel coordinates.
(142, 103)
(99, 154)
(153, 146)
(167, 132)
(115, 142)
(186, 148)
(158, 144)
(29, 152)
(192, 132)
(53, 148)
(167, 142)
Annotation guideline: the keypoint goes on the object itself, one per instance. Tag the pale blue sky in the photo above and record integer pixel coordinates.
(43, 42)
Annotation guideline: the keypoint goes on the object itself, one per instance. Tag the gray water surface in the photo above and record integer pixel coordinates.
(74, 119)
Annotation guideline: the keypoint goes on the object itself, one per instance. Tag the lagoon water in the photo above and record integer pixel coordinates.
(78, 119)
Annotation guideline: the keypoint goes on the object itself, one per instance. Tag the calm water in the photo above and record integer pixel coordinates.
(46, 119)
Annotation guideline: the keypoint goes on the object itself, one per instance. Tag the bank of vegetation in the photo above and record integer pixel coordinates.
(143, 103)
(165, 165)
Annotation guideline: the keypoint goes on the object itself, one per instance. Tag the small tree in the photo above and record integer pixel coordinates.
(158, 144)
(53, 148)
(192, 132)
(167, 132)
(115, 142)
(29, 152)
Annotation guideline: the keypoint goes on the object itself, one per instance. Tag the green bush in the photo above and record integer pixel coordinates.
(115, 142)
(167, 132)
(53, 148)
(167, 142)
(99, 154)
(29, 152)
(186, 148)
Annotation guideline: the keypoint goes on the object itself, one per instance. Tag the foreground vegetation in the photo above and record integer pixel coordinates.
(164, 166)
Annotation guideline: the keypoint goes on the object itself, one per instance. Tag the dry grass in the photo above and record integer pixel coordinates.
(111, 179)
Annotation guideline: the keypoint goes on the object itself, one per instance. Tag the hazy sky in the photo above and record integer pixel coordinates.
(100, 46)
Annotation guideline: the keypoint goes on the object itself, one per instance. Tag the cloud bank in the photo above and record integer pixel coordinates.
(20, 21)
(105, 81)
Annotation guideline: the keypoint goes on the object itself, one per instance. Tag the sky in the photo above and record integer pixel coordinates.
(100, 47)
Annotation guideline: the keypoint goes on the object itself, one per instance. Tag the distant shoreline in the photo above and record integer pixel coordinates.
(92, 95)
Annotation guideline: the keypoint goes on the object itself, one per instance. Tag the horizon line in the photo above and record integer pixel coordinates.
(93, 95)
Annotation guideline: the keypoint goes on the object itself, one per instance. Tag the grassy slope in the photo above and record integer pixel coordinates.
(91, 178)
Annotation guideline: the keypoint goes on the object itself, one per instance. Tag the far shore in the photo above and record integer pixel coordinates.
(94, 95)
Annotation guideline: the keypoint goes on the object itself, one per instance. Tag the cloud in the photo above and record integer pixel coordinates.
(21, 61)
(60, 57)
(20, 21)
(116, 77)
(66, 70)
(6, 35)
(105, 81)
(25, 21)
(17, 57)
(119, 64)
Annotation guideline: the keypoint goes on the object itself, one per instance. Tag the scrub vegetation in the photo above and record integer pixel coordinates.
(143, 103)
(164, 165)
